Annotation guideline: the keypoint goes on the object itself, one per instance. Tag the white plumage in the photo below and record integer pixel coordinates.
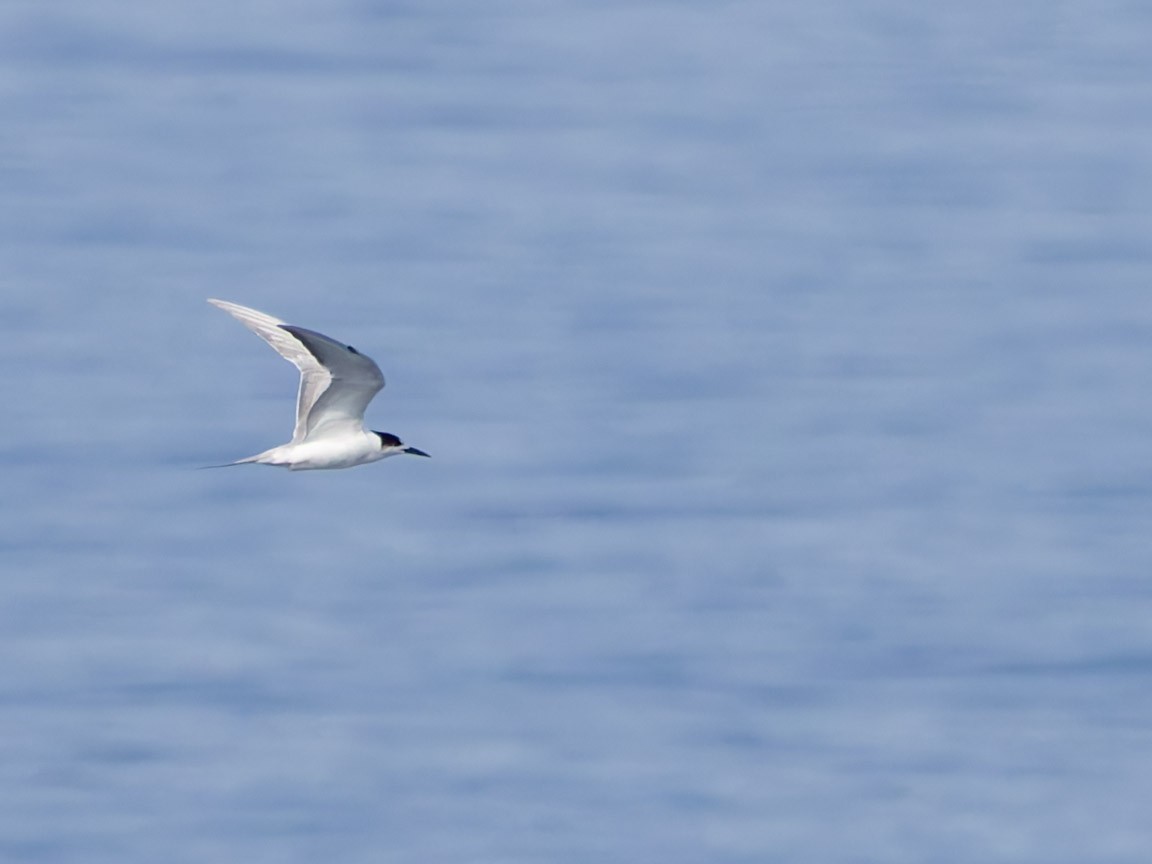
(336, 384)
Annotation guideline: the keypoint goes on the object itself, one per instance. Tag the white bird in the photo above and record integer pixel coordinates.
(336, 384)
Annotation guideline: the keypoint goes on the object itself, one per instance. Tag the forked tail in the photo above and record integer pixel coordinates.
(247, 461)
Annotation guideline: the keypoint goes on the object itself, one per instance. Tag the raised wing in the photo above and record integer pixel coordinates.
(354, 380)
(321, 361)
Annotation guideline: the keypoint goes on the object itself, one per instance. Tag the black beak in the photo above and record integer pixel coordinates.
(415, 452)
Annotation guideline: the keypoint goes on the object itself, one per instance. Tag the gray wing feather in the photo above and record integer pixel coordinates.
(322, 362)
(354, 379)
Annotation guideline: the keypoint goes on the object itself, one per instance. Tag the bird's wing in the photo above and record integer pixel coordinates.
(354, 379)
(344, 379)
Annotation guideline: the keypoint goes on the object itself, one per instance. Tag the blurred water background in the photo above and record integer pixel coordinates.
(785, 370)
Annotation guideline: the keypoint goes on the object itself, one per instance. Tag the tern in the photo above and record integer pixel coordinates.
(336, 384)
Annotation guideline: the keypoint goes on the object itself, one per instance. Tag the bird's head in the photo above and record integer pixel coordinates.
(390, 445)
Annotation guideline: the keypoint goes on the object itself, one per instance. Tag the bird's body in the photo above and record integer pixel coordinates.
(346, 451)
(336, 384)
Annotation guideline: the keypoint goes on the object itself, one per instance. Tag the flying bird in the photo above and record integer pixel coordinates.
(336, 384)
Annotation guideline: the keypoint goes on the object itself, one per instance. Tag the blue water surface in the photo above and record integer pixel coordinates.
(785, 370)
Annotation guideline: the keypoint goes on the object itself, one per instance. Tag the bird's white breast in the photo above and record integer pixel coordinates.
(343, 452)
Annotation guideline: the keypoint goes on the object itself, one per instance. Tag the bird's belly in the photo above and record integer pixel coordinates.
(319, 455)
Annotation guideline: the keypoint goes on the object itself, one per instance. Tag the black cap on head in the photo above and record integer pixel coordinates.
(387, 439)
